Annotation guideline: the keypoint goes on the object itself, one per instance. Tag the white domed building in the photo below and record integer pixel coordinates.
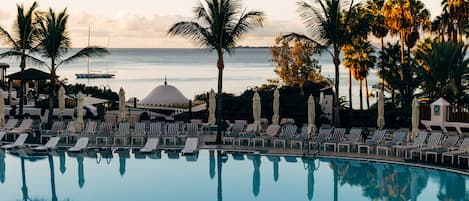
(164, 97)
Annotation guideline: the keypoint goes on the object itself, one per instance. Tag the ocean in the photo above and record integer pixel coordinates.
(192, 71)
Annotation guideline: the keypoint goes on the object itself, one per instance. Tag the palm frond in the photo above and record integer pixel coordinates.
(17, 54)
(92, 51)
(248, 21)
(194, 31)
(8, 38)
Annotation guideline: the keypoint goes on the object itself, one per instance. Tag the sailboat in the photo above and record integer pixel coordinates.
(89, 75)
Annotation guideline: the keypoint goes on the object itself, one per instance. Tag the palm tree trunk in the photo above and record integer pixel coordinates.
(21, 91)
(51, 96)
(336, 109)
(361, 95)
(350, 90)
(367, 94)
(402, 38)
(220, 66)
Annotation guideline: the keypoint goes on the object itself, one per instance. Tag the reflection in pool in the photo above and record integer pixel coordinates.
(212, 175)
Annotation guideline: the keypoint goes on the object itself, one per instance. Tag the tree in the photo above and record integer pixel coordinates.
(54, 44)
(457, 12)
(22, 42)
(444, 69)
(326, 21)
(295, 65)
(378, 25)
(220, 25)
(359, 58)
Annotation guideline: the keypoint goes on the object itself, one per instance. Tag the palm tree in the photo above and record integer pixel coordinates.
(327, 22)
(378, 26)
(458, 13)
(22, 41)
(359, 58)
(54, 44)
(444, 77)
(220, 25)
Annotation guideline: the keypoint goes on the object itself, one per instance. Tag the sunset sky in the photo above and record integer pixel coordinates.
(143, 23)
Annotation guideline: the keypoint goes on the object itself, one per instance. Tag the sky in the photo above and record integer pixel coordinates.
(143, 23)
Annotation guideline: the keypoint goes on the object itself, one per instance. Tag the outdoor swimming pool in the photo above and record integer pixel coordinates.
(163, 176)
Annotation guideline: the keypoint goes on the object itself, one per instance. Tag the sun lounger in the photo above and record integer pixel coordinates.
(448, 145)
(433, 141)
(2, 135)
(323, 135)
(418, 142)
(122, 133)
(81, 145)
(24, 127)
(300, 138)
(57, 127)
(191, 145)
(247, 135)
(397, 139)
(337, 136)
(139, 133)
(11, 123)
(69, 130)
(172, 132)
(234, 132)
(192, 130)
(150, 145)
(377, 138)
(51, 144)
(18, 143)
(462, 149)
(286, 134)
(270, 132)
(104, 133)
(352, 139)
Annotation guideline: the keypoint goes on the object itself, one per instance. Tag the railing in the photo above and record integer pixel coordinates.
(458, 113)
(425, 112)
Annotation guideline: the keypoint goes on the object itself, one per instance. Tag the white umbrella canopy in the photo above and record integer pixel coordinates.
(415, 118)
(61, 101)
(121, 105)
(380, 121)
(276, 107)
(311, 116)
(2, 105)
(256, 111)
(80, 123)
(211, 107)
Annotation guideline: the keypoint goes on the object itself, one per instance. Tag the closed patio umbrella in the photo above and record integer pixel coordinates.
(256, 111)
(415, 118)
(2, 105)
(61, 101)
(311, 116)
(121, 105)
(276, 107)
(80, 123)
(211, 107)
(380, 120)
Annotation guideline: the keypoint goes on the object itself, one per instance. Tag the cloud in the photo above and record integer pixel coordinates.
(130, 30)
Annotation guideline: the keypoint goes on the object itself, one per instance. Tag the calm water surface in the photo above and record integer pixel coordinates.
(209, 176)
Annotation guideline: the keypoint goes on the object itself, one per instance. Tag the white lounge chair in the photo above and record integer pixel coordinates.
(151, 145)
(191, 145)
(18, 143)
(122, 133)
(51, 144)
(270, 133)
(139, 133)
(24, 127)
(2, 135)
(82, 144)
(11, 123)
(172, 133)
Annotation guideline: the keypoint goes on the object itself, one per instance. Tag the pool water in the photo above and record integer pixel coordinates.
(212, 175)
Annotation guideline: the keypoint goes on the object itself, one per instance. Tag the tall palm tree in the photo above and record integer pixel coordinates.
(327, 22)
(378, 26)
(359, 58)
(458, 13)
(22, 41)
(54, 44)
(219, 26)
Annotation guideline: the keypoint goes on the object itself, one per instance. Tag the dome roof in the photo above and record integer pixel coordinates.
(166, 96)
